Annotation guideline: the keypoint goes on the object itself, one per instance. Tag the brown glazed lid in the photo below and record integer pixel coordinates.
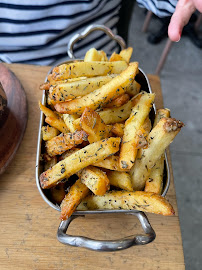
(13, 115)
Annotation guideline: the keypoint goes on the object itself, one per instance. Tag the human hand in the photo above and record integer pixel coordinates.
(184, 10)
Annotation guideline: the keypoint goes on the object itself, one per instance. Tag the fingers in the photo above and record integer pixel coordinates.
(198, 5)
(181, 16)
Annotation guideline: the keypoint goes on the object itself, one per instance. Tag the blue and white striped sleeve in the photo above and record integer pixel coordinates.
(37, 32)
(162, 8)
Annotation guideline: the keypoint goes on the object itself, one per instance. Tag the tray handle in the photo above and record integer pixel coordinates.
(101, 245)
(87, 31)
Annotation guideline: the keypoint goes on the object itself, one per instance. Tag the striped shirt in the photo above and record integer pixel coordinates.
(164, 8)
(37, 32)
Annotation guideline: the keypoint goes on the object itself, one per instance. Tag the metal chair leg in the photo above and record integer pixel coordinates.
(163, 56)
(147, 21)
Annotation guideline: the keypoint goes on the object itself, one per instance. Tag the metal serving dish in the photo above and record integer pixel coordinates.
(79, 241)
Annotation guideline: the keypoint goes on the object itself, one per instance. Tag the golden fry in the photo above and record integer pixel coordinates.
(159, 138)
(120, 179)
(133, 89)
(95, 179)
(94, 55)
(126, 54)
(64, 142)
(112, 115)
(69, 120)
(93, 125)
(117, 115)
(104, 95)
(87, 69)
(69, 153)
(137, 117)
(49, 132)
(138, 200)
(57, 123)
(110, 163)
(119, 101)
(161, 113)
(71, 90)
(44, 86)
(77, 192)
(53, 119)
(115, 57)
(155, 181)
(118, 129)
(86, 156)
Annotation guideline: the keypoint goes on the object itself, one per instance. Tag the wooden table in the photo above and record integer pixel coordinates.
(29, 226)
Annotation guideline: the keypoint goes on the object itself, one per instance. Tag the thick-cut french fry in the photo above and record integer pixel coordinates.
(44, 86)
(104, 95)
(50, 103)
(94, 55)
(147, 125)
(118, 129)
(161, 113)
(119, 101)
(53, 119)
(142, 133)
(58, 193)
(69, 119)
(130, 139)
(120, 179)
(140, 140)
(117, 115)
(68, 153)
(77, 124)
(138, 200)
(126, 54)
(57, 123)
(48, 112)
(87, 69)
(95, 179)
(133, 89)
(94, 126)
(115, 57)
(103, 56)
(49, 132)
(155, 181)
(70, 90)
(86, 156)
(159, 138)
(112, 115)
(47, 85)
(110, 163)
(51, 81)
(64, 142)
(77, 192)
(50, 163)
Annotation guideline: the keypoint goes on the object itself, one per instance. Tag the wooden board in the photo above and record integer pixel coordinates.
(29, 226)
(13, 128)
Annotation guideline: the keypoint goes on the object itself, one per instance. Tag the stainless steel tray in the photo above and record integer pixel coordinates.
(79, 241)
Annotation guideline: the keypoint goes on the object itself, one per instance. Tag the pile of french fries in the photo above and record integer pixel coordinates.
(98, 133)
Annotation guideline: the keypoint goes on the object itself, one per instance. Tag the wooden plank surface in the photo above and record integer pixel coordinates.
(29, 226)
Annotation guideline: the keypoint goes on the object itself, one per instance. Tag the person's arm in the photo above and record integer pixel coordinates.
(181, 16)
